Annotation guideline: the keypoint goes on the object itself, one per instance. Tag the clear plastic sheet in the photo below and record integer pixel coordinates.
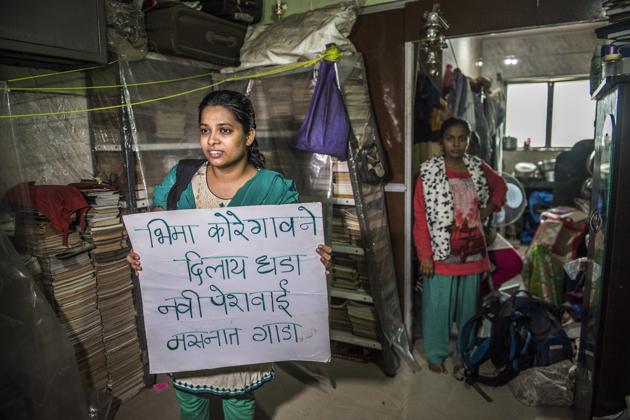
(552, 385)
(40, 378)
(43, 146)
(135, 147)
(164, 132)
(366, 160)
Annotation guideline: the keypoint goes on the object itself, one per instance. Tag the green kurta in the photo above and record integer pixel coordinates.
(264, 188)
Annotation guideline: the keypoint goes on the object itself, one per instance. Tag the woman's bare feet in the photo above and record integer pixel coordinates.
(437, 368)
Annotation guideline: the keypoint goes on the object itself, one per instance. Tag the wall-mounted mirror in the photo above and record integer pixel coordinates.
(531, 86)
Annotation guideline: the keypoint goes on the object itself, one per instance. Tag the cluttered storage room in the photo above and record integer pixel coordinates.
(439, 191)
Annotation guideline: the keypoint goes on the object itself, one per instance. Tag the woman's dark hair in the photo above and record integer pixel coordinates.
(452, 122)
(243, 111)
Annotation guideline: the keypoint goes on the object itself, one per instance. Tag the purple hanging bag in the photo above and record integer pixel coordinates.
(326, 127)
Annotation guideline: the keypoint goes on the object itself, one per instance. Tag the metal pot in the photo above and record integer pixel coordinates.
(550, 176)
(547, 165)
(509, 143)
(525, 170)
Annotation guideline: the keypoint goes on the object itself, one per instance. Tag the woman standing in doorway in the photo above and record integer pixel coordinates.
(231, 174)
(454, 194)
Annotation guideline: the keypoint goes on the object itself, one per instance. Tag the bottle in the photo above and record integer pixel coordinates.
(527, 144)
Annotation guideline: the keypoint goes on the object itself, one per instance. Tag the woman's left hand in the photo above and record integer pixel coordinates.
(325, 256)
(485, 212)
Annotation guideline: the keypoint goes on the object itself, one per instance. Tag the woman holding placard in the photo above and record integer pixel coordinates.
(231, 174)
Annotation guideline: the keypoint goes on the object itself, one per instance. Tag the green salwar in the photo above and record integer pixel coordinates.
(446, 299)
(192, 407)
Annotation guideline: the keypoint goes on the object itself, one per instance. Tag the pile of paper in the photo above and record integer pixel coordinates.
(115, 292)
(363, 319)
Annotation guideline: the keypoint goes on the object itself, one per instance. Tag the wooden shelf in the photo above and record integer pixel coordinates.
(359, 296)
(346, 337)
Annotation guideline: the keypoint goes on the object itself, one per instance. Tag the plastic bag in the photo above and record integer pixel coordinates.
(297, 37)
(552, 385)
(126, 34)
(543, 274)
(40, 377)
(326, 127)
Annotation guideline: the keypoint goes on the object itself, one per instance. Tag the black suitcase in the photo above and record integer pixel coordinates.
(180, 30)
(244, 11)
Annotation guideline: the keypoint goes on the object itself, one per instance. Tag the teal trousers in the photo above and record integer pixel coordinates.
(192, 407)
(446, 299)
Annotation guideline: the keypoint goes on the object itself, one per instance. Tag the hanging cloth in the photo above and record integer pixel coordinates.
(326, 127)
(57, 202)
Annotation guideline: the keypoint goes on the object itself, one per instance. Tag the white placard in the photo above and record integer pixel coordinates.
(232, 286)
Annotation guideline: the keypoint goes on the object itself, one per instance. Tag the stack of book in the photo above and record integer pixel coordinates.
(142, 195)
(351, 223)
(616, 10)
(358, 105)
(170, 125)
(342, 186)
(39, 238)
(301, 95)
(339, 319)
(104, 227)
(70, 284)
(115, 292)
(272, 100)
(350, 272)
(68, 279)
(363, 319)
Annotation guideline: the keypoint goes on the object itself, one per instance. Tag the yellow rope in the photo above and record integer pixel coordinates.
(332, 54)
(60, 72)
(69, 88)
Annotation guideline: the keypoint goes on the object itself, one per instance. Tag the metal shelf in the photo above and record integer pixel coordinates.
(275, 134)
(148, 147)
(347, 249)
(342, 201)
(346, 337)
(359, 296)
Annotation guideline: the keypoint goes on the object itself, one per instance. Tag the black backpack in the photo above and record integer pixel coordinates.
(552, 344)
(514, 334)
(186, 169)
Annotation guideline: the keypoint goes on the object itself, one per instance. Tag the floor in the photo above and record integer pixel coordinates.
(362, 392)
(305, 392)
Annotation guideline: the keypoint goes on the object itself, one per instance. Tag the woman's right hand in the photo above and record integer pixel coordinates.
(134, 260)
(426, 267)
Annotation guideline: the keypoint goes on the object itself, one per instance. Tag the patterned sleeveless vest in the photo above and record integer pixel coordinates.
(438, 199)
